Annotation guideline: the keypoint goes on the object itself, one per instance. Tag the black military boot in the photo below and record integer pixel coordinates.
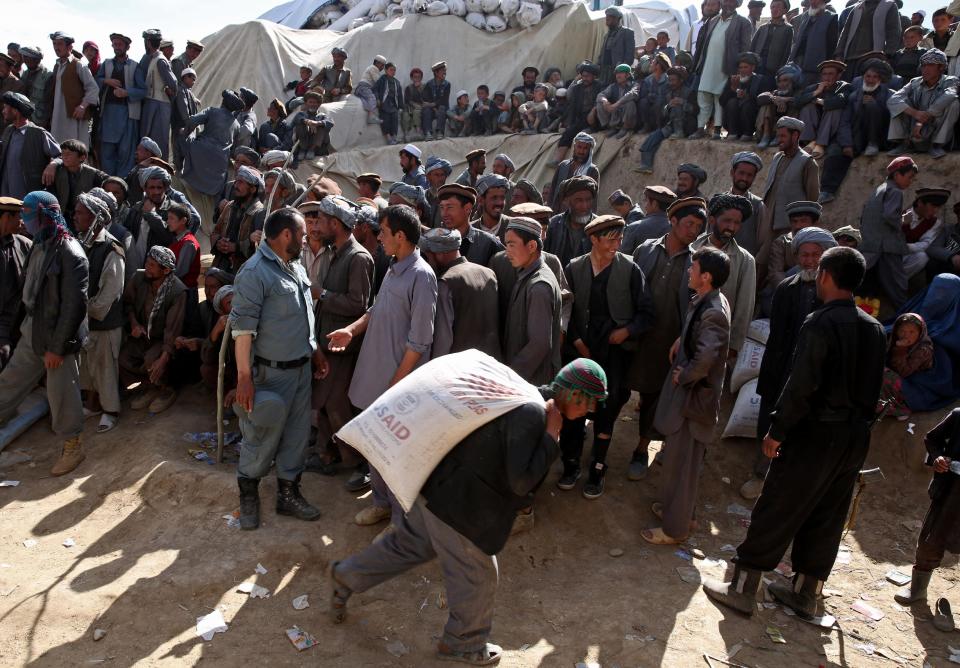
(739, 594)
(801, 596)
(291, 502)
(917, 591)
(593, 489)
(249, 503)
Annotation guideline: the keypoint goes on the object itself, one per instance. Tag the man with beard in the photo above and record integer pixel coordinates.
(822, 106)
(25, 149)
(410, 164)
(611, 309)
(925, 111)
(273, 330)
(581, 164)
(744, 167)
(793, 300)
(315, 256)
(689, 179)
(161, 85)
(492, 196)
(467, 298)
(565, 236)
(33, 84)
(618, 45)
(476, 166)
(368, 187)
(818, 438)
(665, 263)
(74, 91)
(814, 41)
(333, 81)
(98, 360)
(438, 171)
(154, 306)
(146, 220)
(230, 240)
(342, 299)
(122, 88)
(146, 155)
(456, 204)
(739, 98)
(727, 213)
(581, 99)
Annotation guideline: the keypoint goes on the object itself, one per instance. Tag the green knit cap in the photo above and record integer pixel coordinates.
(584, 375)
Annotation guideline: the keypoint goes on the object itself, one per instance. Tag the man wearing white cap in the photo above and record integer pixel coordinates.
(412, 170)
(75, 93)
(364, 89)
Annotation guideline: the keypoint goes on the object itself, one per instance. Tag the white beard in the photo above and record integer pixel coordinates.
(815, 12)
(581, 220)
(808, 275)
(870, 89)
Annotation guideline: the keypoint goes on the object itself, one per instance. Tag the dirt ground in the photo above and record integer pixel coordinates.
(153, 553)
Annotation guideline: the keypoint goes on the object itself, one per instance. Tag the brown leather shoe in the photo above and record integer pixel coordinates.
(70, 457)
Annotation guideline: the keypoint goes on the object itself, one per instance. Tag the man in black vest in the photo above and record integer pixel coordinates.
(467, 298)
(54, 328)
(99, 371)
(611, 309)
(818, 439)
(467, 509)
(343, 298)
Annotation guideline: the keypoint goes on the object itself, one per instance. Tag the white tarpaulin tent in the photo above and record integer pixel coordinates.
(263, 55)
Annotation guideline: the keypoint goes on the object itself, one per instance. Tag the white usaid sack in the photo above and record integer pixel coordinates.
(496, 23)
(746, 413)
(759, 330)
(437, 8)
(476, 19)
(412, 426)
(748, 364)
(529, 14)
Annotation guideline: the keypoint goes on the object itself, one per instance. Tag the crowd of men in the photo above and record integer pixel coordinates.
(331, 301)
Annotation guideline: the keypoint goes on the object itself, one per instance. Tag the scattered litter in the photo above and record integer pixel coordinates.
(784, 569)
(260, 569)
(897, 578)
(69, 542)
(634, 637)
(616, 552)
(888, 653)
(711, 563)
(867, 610)
(689, 574)
(29, 542)
(710, 659)
(300, 638)
(738, 510)
(202, 456)
(725, 479)
(843, 555)
(770, 605)
(441, 600)
(209, 625)
(98, 634)
(697, 553)
(301, 602)
(867, 648)
(626, 418)
(233, 519)
(775, 635)
(255, 590)
(398, 649)
(9, 483)
(827, 593)
(728, 548)
(683, 554)
(910, 426)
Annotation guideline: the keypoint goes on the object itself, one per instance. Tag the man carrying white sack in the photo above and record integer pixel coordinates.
(466, 509)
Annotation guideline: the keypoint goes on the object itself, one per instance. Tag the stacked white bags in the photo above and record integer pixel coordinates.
(746, 410)
(489, 15)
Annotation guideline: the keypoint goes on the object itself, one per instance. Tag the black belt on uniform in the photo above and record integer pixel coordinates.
(291, 364)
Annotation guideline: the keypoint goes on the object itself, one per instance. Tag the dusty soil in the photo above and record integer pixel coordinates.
(153, 553)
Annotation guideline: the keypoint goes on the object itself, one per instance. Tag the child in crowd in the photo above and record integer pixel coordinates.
(533, 114)
(483, 114)
(510, 120)
(558, 109)
(389, 95)
(300, 87)
(459, 115)
(909, 350)
(941, 525)
(663, 45)
(413, 106)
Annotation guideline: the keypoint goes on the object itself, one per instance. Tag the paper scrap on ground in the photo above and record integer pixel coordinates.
(301, 602)
(300, 638)
(867, 610)
(69, 542)
(260, 569)
(233, 521)
(9, 483)
(398, 649)
(29, 542)
(843, 555)
(910, 427)
(897, 578)
(98, 634)
(775, 635)
(866, 647)
(728, 548)
(255, 590)
(209, 625)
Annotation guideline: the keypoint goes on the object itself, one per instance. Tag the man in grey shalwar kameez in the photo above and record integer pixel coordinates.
(122, 88)
(924, 112)
(161, 86)
(74, 93)
(208, 154)
(247, 118)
